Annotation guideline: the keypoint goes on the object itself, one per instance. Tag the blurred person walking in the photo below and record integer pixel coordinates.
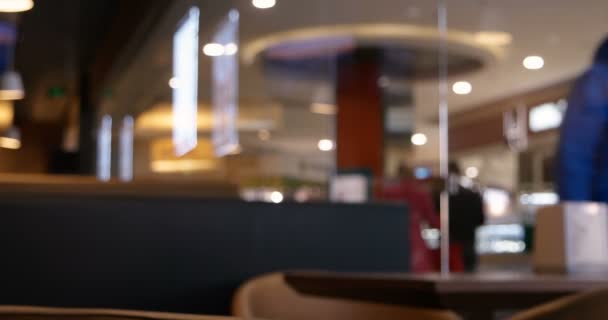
(582, 157)
(466, 215)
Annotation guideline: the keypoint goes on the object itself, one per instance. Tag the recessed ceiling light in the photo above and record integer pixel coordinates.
(534, 62)
(231, 49)
(16, 5)
(276, 197)
(494, 38)
(264, 4)
(174, 83)
(419, 139)
(326, 145)
(472, 172)
(462, 88)
(214, 49)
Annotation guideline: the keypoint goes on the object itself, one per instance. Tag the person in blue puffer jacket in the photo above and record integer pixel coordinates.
(582, 158)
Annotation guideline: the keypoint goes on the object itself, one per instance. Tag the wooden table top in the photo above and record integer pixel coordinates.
(492, 291)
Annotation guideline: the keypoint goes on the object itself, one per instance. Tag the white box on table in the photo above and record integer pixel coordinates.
(572, 237)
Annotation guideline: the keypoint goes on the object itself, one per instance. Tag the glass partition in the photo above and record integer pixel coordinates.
(341, 100)
(506, 116)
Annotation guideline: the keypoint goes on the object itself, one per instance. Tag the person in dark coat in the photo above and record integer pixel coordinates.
(582, 157)
(466, 215)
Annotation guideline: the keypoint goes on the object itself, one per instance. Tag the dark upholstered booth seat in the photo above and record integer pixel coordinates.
(178, 254)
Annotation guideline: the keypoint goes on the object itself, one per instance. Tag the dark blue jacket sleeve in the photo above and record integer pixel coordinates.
(582, 131)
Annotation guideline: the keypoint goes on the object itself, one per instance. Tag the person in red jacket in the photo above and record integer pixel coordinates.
(418, 198)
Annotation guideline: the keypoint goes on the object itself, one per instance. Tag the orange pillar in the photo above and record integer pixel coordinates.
(360, 118)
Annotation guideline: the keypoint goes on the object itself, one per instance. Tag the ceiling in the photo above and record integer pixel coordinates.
(564, 32)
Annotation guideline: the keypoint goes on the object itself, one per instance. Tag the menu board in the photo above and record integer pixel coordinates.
(185, 83)
(226, 87)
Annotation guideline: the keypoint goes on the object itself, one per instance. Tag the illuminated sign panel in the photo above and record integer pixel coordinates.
(185, 83)
(226, 86)
(547, 116)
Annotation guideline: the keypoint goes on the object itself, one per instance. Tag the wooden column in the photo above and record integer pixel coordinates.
(360, 118)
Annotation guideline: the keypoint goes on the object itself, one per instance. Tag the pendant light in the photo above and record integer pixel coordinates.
(11, 138)
(16, 5)
(11, 84)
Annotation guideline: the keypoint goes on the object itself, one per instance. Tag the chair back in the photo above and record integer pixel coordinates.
(177, 254)
(269, 297)
(40, 313)
(585, 306)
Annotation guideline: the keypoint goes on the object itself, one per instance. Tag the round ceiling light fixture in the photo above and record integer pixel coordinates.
(494, 38)
(16, 5)
(264, 4)
(462, 88)
(493, 25)
(534, 62)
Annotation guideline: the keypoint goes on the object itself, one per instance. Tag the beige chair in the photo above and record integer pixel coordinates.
(38, 313)
(269, 297)
(585, 306)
